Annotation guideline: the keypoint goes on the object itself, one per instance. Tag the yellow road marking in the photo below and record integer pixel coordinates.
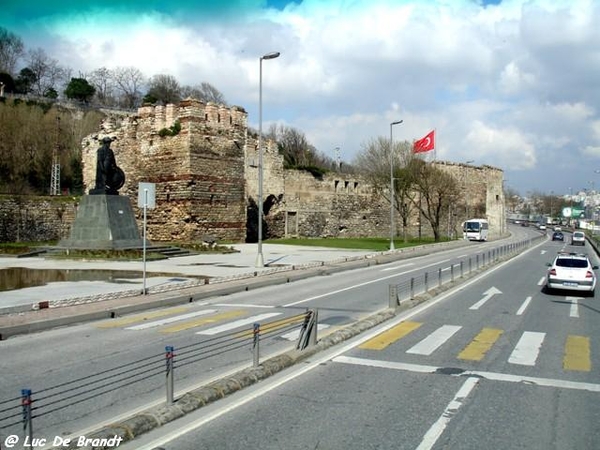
(479, 346)
(271, 326)
(114, 323)
(577, 354)
(390, 336)
(204, 321)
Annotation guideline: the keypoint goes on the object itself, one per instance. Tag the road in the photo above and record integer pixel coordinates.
(515, 368)
(46, 359)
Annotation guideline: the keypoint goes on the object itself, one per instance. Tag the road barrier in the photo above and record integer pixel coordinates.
(408, 290)
(17, 413)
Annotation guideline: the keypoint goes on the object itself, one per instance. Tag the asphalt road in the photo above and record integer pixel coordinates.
(46, 359)
(516, 368)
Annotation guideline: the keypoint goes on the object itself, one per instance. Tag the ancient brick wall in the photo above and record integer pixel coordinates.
(206, 178)
(198, 173)
(35, 219)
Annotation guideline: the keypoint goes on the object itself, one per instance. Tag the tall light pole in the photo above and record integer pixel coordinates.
(467, 188)
(392, 231)
(260, 262)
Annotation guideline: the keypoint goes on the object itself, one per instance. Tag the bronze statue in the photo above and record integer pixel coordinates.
(109, 177)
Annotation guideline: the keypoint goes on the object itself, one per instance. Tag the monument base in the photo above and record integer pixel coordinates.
(104, 222)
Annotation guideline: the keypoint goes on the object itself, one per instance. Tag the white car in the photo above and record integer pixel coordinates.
(571, 271)
(578, 238)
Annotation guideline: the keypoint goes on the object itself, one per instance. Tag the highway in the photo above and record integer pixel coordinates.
(516, 369)
(46, 359)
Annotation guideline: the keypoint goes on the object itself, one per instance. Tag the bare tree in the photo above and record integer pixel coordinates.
(205, 92)
(49, 75)
(128, 81)
(102, 80)
(163, 88)
(437, 191)
(11, 49)
(373, 163)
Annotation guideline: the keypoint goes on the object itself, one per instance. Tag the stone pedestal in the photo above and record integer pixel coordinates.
(104, 222)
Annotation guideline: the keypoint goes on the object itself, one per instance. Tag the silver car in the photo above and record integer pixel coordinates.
(571, 271)
(578, 238)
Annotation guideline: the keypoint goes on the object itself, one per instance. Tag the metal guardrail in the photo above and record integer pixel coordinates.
(17, 413)
(411, 288)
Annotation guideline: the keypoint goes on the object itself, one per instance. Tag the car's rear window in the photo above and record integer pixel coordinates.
(578, 235)
(569, 262)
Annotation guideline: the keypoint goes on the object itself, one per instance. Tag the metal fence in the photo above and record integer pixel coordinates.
(429, 280)
(17, 414)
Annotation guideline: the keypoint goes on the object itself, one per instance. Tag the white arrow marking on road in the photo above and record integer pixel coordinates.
(574, 312)
(486, 296)
(542, 252)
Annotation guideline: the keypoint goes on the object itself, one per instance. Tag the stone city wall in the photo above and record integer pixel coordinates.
(206, 179)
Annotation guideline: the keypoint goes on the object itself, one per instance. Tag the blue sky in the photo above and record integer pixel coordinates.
(513, 84)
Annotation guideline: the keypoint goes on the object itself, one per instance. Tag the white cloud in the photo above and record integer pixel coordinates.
(516, 82)
(508, 147)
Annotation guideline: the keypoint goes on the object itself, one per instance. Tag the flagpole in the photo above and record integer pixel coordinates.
(435, 138)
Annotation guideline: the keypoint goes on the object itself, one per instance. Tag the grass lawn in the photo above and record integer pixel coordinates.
(375, 244)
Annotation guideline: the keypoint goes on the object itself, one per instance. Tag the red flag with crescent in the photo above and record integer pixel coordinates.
(426, 144)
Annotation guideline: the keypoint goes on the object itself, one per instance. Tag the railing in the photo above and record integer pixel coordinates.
(17, 413)
(429, 280)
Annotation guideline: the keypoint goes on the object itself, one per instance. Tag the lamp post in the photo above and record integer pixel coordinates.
(467, 189)
(392, 231)
(259, 256)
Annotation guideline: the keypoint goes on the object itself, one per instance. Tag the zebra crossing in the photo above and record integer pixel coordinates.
(208, 321)
(576, 354)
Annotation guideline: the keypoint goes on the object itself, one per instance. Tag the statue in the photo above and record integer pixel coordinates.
(109, 177)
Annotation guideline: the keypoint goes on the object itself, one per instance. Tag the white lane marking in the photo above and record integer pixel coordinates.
(167, 320)
(397, 267)
(527, 349)
(243, 305)
(542, 281)
(360, 285)
(524, 306)
(295, 334)
(486, 296)
(432, 342)
(493, 376)
(440, 425)
(237, 323)
(574, 310)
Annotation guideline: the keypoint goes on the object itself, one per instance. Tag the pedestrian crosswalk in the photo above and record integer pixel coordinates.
(211, 321)
(475, 347)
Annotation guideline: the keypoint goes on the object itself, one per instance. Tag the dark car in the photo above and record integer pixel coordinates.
(558, 236)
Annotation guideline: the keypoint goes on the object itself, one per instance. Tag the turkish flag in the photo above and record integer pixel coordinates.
(426, 144)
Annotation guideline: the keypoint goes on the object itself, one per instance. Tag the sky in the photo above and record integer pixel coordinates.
(514, 84)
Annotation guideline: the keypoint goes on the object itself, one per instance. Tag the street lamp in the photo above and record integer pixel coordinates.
(260, 262)
(467, 189)
(398, 122)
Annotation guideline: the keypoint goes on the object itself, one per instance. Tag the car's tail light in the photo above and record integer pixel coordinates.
(552, 272)
(589, 274)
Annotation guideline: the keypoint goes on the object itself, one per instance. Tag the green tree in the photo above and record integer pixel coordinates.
(25, 81)
(79, 89)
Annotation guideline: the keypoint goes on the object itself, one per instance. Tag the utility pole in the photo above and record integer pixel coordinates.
(55, 177)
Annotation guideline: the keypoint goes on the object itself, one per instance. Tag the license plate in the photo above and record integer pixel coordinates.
(568, 283)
